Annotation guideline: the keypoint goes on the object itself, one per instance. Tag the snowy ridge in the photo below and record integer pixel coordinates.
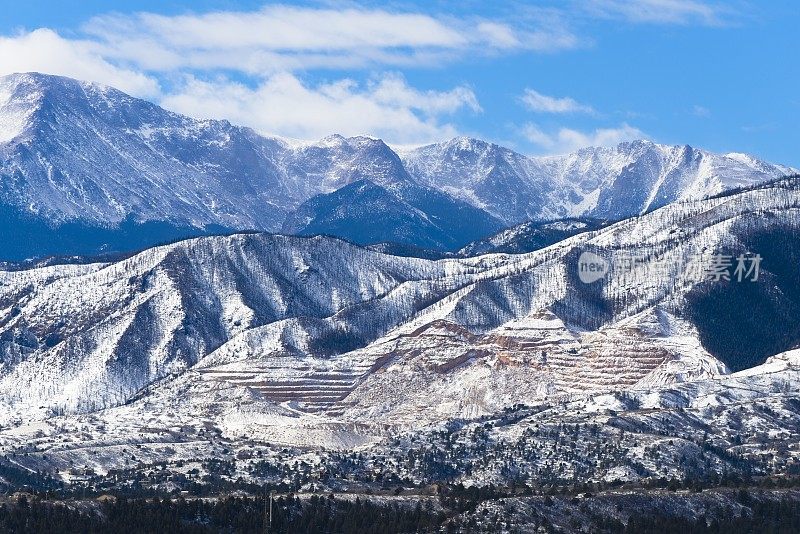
(302, 351)
(530, 236)
(81, 153)
(85, 337)
(89, 152)
(319, 325)
(610, 183)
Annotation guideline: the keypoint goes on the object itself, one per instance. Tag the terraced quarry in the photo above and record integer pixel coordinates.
(309, 388)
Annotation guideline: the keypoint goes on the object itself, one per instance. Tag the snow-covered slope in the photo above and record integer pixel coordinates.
(76, 150)
(531, 235)
(115, 173)
(88, 152)
(403, 213)
(525, 326)
(88, 336)
(177, 434)
(607, 183)
(88, 159)
(318, 324)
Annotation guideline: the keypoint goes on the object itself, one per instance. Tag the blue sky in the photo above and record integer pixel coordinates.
(540, 77)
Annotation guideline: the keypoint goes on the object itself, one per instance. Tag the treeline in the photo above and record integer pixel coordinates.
(458, 511)
(766, 516)
(234, 514)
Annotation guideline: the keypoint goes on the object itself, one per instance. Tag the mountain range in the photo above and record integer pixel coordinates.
(326, 325)
(423, 317)
(312, 362)
(112, 173)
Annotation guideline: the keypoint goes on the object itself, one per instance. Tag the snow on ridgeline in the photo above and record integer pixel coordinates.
(288, 317)
(93, 154)
(603, 182)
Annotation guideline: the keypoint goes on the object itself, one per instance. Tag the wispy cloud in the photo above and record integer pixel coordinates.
(561, 139)
(253, 67)
(386, 107)
(536, 101)
(45, 51)
(701, 111)
(566, 140)
(278, 38)
(682, 12)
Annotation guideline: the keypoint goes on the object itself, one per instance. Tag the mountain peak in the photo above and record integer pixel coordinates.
(85, 153)
(606, 182)
(33, 101)
(36, 85)
(637, 143)
(35, 78)
(333, 140)
(470, 144)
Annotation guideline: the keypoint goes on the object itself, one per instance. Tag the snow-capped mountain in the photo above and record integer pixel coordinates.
(313, 362)
(111, 173)
(404, 214)
(606, 183)
(94, 162)
(80, 151)
(317, 324)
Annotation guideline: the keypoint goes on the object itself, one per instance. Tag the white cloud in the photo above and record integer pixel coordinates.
(662, 11)
(189, 63)
(499, 35)
(568, 140)
(386, 107)
(43, 50)
(701, 111)
(540, 103)
(278, 38)
(275, 102)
